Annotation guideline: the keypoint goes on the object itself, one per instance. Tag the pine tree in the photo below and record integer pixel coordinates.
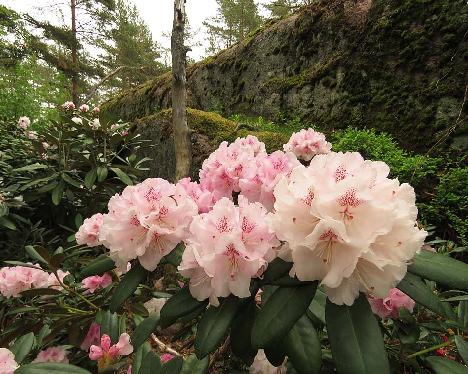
(62, 46)
(281, 8)
(234, 21)
(132, 54)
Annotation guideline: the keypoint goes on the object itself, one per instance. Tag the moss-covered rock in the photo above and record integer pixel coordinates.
(397, 66)
(207, 130)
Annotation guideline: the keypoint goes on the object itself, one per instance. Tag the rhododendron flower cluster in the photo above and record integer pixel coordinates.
(92, 337)
(23, 123)
(95, 282)
(31, 134)
(202, 197)
(53, 354)
(8, 364)
(88, 232)
(106, 354)
(84, 108)
(16, 279)
(347, 225)
(68, 105)
(389, 306)
(146, 221)
(228, 246)
(77, 120)
(305, 144)
(166, 357)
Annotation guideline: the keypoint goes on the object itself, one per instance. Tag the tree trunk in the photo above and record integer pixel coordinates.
(74, 52)
(182, 143)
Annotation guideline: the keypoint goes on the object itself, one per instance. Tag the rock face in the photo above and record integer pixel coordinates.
(397, 66)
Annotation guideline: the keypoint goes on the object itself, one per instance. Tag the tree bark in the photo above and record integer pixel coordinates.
(74, 51)
(183, 153)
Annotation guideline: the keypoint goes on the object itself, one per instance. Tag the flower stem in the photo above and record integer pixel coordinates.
(430, 349)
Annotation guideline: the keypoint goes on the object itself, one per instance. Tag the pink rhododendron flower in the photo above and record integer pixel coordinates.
(77, 120)
(16, 279)
(24, 122)
(84, 108)
(92, 337)
(68, 105)
(96, 110)
(124, 133)
(52, 354)
(305, 144)
(147, 221)
(8, 364)
(203, 198)
(88, 233)
(166, 357)
(227, 248)
(389, 306)
(32, 135)
(347, 225)
(106, 354)
(95, 282)
(261, 365)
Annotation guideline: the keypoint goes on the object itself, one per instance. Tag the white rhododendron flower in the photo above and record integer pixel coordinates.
(155, 305)
(24, 122)
(68, 105)
(347, 225)
(146, 221)
(32, 135)
(261, 365)
(228, 246)
(305, 144)
(95, 124)
(77, 120)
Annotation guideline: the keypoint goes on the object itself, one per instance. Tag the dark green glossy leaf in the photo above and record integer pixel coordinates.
(151, 364)
(192, 365)
(50, 368)
(276, 269)
(241, 332)
(317, 307)
(179, 305)
(355, 338)
(463, 313)
(90, 178)
(280, 313)
(303, 347)
(122, 176)
(127, 286)
(98, 266)
(138, 357)
(22, 346)
(40, 292)
(440, 268)
(214, 325)
(101, 173)
(57, 193)
(36, 254)
(462, 346)
(442, 365)
(173, 366)
(144, 330)
(276, 353)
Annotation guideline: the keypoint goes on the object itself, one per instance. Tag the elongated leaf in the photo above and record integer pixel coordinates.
(241, 332)
(57, 193)
(5, 222)
(303, 347)
(355, 338)
(463, 313)
(151, 364)
(67, 178)
(414, 287)
(23, 346)
(50, 368)
(101, 173)
(31, 251)
(441, 269)
(317, 307)
(280, 313)
(179, 305)
(214, 325)
(138, 357)
(192, 365)
(98, 266)
(127, 286)
(90, 178)
(276, 269)
(442, 365)
(31, 167)
(173, 366)
(40, 292)
(122, 176)
(144, 330)
(462, 346)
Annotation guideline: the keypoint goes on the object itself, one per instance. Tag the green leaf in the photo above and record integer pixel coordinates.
(151, 364)
(214, 324)
(303, 347)
(50, 368)
(179, 305)
(276, 269)
(441, 269)
(127, 286)
(139, 356)
(173, 366)
(98, 266)
(442, 365)
(71, 181)
(317, 307)
(415, 288)
(40, 292)
(22, 346)
(5, 222)
(356, 341)
(110, 324)
(463, 313)
(57, 193)
(144, 330)
(122, 176)
(31, 167)
(241, 332)
(462, 346)
(192, 365)
(43, 257)
(101, 173)
(280, 313)
(90, 178)
(275, 353)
